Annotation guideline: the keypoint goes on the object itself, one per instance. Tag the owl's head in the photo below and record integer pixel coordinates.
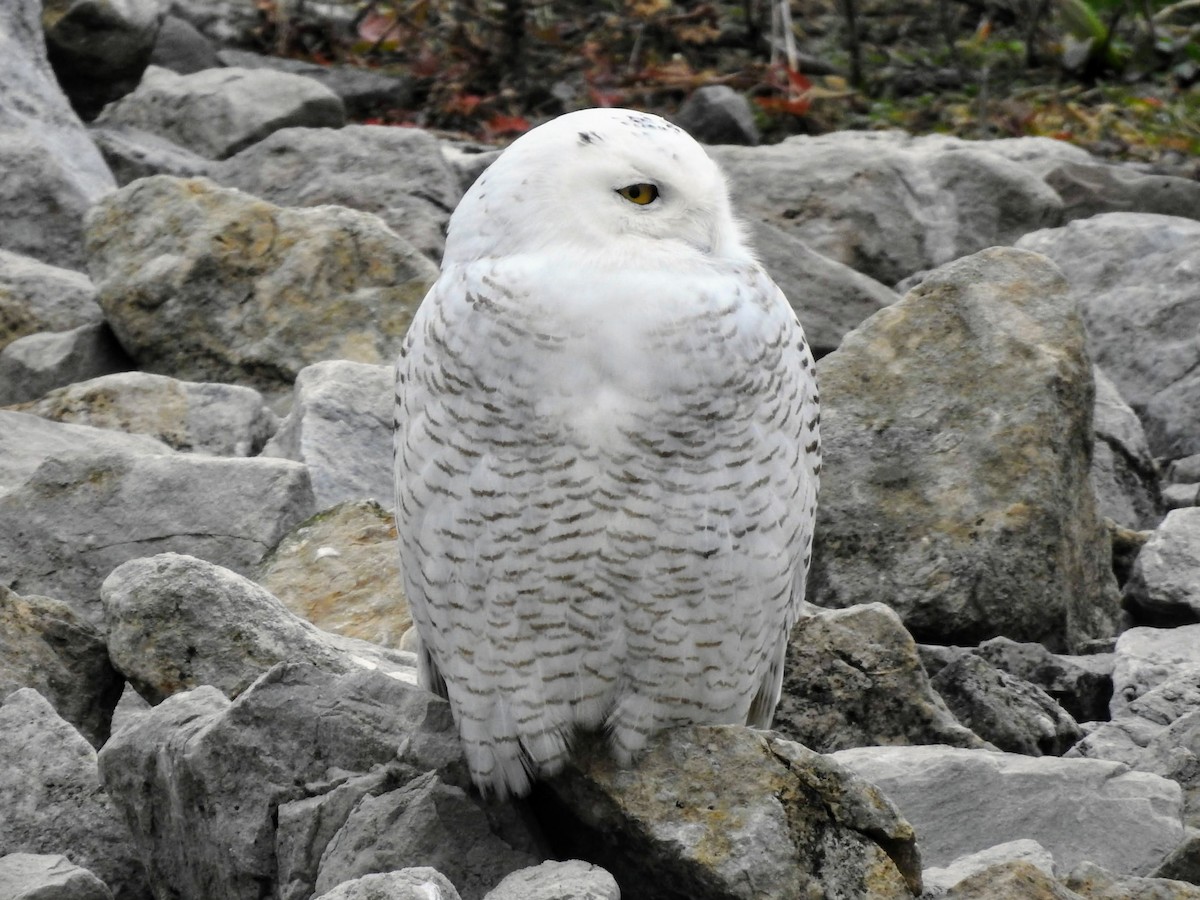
(608, 180)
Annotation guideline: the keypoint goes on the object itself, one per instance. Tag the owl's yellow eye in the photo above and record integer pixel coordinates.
(641, 194)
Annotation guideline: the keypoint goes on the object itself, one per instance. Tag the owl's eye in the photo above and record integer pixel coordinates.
(641, 194)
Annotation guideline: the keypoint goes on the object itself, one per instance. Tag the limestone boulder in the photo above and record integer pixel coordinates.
(298, 734)
(962, 801)
(1124, 475)
(210, 284)
(956, 433)
(399, 174)
(728, 812)
(52, 172)
(76, 502)
(340, 426)
(99, 48)
(1165, 583)
(132, 153)
(48, 876)
(573, 879)
(207, 418)
(36, 297)
(175, 622)
(52, 798)
(1133, 276)
(32, 365)
(887, 204)
(1012, 714)
(217, 112)
(340, 570)
(47, 646)
(853, 678)
(419, 883)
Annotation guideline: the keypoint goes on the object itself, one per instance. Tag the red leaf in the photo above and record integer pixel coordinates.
(374, 27)
(501, 124)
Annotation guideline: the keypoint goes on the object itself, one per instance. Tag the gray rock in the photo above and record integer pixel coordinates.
(425, 822)
(1148, 657)
(340, 426)
(420, 883)
(1124, 474)
(340, 571)
(52, 171)
(1091, 881)
(365, 92)
(728, 812)
(217, 112)
(1088, 189)
(221, 21)
(1012, 880)
(1165, 583)
(1132, 274)
(1012, 714)
(397, 173)
(1175, 753)
(1136, 724)
(938, 880)
(36, 297)
(887, 204)
(37, 363)
(1182, 863)
(831, 299)
(1082, 685)
(956, 433)
(181, 48)
(306, 826)
(962, 801)
(717, 114)
(176, 622)
(209, 284)
(215, 419)
(76, 502)
(853, 678)
(52, 799)
(45, 645)
(1181, 496)
(200, 780)
(99, 48)
(48, 876)
(132, 154)
(570, 880)
(1040, 155)
(1185, 470)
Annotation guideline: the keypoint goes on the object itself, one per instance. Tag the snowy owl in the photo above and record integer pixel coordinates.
(606, 452)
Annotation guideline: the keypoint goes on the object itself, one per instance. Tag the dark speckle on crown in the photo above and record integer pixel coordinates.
(589, 137)
(651, 123)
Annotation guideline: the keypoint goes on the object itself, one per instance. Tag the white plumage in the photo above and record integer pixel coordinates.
(607, 452)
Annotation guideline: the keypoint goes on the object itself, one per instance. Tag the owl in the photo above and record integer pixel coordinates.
(607, 453)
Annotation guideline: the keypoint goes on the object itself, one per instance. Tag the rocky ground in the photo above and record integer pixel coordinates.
(206, 688)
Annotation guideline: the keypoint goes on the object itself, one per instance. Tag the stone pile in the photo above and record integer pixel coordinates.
(206, 688)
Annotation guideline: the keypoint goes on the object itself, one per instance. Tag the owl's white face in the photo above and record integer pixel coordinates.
(612, 181)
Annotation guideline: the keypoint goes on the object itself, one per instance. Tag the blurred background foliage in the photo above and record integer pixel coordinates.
(1119, 77)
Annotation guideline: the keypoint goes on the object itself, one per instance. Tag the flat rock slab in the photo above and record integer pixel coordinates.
(962, 801)
(76, 502)
(217, 112)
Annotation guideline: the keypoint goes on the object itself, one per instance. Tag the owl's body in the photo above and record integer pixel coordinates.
(606, 454)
